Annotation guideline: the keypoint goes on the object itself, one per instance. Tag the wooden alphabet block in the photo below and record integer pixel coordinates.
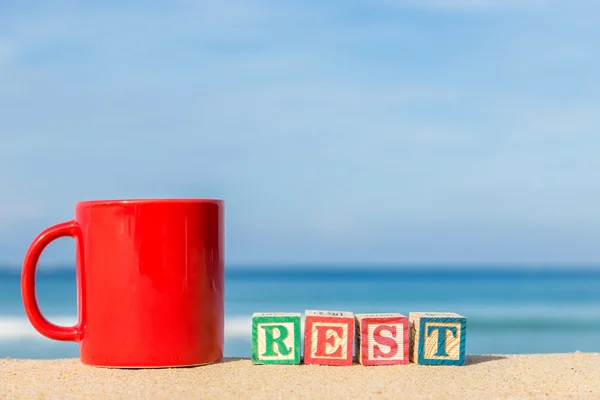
(276, 338)
(382, 339)
(438, 338)
(328, 337)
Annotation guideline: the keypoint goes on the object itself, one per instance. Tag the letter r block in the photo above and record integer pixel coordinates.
(382, 339)
(438, 338)
(276, 338)
(328, 337)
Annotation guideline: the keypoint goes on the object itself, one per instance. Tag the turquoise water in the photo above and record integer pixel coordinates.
(509, 311)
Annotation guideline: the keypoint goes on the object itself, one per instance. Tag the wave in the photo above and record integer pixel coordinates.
(240, 326)
(19, 328)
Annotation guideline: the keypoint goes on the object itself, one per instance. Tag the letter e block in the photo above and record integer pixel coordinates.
(328, 337)
(382, 339)
(438, 338)
(276, 338)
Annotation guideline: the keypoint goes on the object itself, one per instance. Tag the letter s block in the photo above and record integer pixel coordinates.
(438, 338)
(276, 338)
(382, 339)
(328, 337)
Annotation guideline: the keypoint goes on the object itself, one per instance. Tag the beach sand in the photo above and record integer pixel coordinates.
(555, 376)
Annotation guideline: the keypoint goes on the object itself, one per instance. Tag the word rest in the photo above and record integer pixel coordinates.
(429, 338)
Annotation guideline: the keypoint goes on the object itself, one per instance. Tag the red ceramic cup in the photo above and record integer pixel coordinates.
(149, 282)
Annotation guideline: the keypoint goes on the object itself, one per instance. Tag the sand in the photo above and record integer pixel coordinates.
(555, 376)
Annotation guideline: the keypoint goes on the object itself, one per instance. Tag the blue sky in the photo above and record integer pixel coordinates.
(343, 131)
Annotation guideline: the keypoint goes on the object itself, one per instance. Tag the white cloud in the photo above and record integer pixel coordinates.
(466, 5)
(6, 52)
(14, 208)
(121, 25)
(555, 119)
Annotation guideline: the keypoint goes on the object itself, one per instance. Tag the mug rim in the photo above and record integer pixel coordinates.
(149, 201)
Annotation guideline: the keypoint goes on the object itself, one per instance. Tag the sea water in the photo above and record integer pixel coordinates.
(509, 310)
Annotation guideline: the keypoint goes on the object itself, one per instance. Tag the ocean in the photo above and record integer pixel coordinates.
(509, 310)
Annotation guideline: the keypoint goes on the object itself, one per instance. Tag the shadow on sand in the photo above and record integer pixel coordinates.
(478, 359)
(470, 359)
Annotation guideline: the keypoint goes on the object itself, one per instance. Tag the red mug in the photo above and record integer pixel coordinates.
(149, 282)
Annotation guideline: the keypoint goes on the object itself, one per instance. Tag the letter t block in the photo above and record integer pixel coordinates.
(276, 338)
(438, 338)
(328, 337)
(382, 339)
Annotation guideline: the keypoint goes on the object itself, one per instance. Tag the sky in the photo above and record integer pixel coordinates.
(373, 131)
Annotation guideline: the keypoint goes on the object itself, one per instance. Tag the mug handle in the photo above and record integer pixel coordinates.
(30, 263)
